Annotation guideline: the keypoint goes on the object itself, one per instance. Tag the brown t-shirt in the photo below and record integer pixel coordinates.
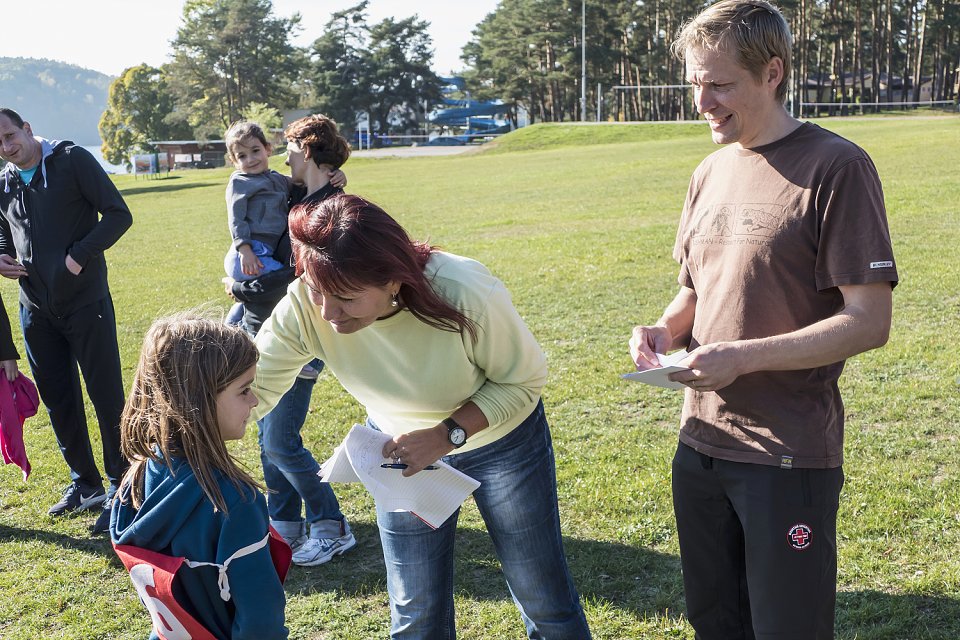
(766, 237)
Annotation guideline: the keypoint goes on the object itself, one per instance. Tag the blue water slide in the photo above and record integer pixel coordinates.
(458, 111)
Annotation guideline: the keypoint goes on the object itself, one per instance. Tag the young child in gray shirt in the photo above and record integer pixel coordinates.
(256, 203)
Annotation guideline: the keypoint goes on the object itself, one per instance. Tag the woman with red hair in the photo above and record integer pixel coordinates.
(434, 349)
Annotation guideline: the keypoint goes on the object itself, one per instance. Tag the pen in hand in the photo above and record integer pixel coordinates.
(401, 465)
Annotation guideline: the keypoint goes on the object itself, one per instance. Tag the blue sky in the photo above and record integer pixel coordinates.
(116, 34)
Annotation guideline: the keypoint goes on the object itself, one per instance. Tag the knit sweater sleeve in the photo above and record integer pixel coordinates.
(286, 342)
(513, 362)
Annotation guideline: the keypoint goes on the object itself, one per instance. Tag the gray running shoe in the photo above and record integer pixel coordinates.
(319, 550)
(78, 498)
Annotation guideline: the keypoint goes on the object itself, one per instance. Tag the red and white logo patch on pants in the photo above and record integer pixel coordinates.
(800, 536)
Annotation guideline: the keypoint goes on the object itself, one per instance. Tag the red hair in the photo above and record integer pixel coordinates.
(346, 244)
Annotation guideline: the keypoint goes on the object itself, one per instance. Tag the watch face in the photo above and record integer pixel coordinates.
(457, 436)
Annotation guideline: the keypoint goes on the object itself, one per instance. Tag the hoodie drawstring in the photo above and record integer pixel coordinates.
(222, 580)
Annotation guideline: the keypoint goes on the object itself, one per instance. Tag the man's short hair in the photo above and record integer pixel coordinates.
(13, 115)
(754, 30)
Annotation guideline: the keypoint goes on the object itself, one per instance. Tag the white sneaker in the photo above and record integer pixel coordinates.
(295, 543)
(319, 550)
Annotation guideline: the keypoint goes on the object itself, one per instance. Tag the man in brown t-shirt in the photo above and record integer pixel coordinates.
(786, 270)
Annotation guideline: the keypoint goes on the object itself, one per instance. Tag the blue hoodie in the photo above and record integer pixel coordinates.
(177, 519)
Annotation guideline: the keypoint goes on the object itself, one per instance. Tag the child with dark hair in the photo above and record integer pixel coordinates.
(257, 206)
(303, 509)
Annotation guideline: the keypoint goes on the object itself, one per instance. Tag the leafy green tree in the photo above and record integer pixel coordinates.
(383, 70)
(139, 106)
(529, 49)
(855, 51)
(397, 76)
(336, 67)
(263, 114)
(228, 54)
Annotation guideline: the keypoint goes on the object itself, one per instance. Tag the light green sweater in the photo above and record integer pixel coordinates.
(407, 374)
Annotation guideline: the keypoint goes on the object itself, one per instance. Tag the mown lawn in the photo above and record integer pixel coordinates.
(579, 222)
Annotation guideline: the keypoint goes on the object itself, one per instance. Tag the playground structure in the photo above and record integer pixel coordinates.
(471, 119)
(454, 121)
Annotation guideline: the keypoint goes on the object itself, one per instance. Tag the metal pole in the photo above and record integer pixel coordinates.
(583, 61)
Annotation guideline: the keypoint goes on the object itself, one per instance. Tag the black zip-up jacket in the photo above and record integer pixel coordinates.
(55, 215)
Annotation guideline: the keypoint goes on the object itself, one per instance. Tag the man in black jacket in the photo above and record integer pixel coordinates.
(58, 213)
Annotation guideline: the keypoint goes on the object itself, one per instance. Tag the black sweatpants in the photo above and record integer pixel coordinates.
(55, 345)
(758, 547)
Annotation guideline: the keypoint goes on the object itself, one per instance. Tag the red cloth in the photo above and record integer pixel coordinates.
(153, 573)
(18, 401)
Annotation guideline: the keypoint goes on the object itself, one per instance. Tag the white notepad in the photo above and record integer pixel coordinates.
(432, 494)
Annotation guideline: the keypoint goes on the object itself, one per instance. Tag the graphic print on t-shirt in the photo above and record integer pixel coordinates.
(722, 223)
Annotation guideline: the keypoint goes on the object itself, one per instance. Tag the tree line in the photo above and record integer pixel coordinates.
(234, 58)
(857, 52)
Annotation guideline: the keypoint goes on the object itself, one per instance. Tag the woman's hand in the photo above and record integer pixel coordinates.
(72, 265)
(418, 449)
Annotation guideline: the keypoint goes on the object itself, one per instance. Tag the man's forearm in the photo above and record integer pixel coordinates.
(678, 317)
(863, 324)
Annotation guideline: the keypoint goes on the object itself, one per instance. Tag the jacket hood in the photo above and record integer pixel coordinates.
(172, 497)
(47, 149)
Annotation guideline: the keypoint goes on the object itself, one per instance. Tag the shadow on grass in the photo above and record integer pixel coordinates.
(163, 186)
(99, 544)
(886, 616)
(636, 580)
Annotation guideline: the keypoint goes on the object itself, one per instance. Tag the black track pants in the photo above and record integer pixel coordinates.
(758, 547)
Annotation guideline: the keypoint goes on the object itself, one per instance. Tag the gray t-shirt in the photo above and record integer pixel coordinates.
(257, 207)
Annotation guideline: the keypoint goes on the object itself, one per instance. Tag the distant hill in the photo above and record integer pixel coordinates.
(61, 101)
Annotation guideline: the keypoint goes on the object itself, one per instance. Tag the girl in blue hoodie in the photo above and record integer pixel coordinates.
(190, 525)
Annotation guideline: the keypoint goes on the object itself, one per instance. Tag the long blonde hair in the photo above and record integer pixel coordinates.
(187, 360)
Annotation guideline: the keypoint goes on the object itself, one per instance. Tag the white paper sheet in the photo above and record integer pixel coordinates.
(431, 495)
(658, 376)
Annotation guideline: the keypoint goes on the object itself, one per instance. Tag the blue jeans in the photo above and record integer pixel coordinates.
(235, 315)
(517, 499)
(290, 471)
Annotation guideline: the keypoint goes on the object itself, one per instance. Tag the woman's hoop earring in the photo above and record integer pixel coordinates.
(393, 302)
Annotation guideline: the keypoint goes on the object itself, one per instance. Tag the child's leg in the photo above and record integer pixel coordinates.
(235, 315)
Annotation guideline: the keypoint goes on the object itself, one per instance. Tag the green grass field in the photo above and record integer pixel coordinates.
(579, 223)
